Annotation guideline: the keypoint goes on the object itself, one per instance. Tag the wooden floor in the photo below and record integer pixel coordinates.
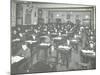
(38, 66)
(75, 59)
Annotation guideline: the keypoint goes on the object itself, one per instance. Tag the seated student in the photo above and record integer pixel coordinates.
(23, 65)
(70, 25)
(25, 51)
(14, 34)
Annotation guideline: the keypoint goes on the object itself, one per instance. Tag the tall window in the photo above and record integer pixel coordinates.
(28, 16)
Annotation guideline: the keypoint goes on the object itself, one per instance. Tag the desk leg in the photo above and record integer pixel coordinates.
(57, 53)
(46, 55)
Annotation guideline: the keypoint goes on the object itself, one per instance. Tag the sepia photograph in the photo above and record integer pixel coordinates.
(52, 37)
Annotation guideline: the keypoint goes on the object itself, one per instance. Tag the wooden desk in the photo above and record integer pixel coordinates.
(65, 52)
(88, 56)
(45, 47)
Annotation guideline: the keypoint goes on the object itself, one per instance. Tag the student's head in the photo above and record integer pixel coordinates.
(24, 46)
(81, 28)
